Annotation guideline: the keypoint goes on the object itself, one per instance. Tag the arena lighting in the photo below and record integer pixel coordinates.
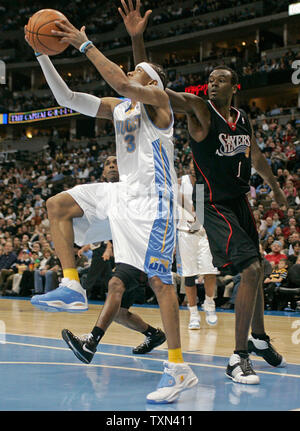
(294, 9)
(40, 115)
(201, 88)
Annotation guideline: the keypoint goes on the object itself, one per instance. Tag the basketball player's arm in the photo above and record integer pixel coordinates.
(262, 167)
(84, 103)
(110, 71)
(135, 25)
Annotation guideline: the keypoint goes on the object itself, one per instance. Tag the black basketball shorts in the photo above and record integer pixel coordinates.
(232, 234)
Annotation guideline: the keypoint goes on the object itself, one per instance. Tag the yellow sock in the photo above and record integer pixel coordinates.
(175, 355)
(71, 273)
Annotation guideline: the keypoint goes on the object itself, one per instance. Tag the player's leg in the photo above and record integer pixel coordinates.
(232, 247)
(61, 209)
(132, 279)
(84, 347)
(259, 342)
(177, 375)
(187, 266)
(84, 205)
(191, 294)
(209, 306)
(169, 309)
(209, 272)
(154, 337)
(69, 296)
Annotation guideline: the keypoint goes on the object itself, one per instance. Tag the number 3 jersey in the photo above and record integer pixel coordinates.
(223, 159)
(145, 153)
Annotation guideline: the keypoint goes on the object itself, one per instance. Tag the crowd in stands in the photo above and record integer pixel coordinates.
(24, 101)
(28, 263)
(100, 19)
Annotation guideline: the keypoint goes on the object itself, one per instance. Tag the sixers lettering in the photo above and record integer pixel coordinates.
(232, 145)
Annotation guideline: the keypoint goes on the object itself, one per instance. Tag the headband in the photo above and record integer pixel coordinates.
(151, 72)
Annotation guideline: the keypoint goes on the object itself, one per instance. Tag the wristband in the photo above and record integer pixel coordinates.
(37, 54)
(83, 47)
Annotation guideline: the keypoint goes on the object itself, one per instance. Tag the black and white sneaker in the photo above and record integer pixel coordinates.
(150, 342)
(265, 349)
(240, 370)
(84, 347)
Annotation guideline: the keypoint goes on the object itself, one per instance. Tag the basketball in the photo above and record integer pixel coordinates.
(38, 31)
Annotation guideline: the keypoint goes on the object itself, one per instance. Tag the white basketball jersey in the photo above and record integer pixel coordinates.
(145, 153)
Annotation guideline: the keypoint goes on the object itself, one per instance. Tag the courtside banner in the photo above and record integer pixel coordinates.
(40, 115)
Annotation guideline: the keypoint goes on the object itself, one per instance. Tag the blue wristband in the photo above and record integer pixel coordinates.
(37, 54)
(84, 46)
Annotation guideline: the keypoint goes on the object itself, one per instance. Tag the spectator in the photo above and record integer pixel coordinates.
(274, 209)
(277, 278)
(7, 259)
(268, 243)
(294, 252)
(291, 228)
(275, 255)
(269, 228)
(263, 189)
(13, 280)
(46, 276)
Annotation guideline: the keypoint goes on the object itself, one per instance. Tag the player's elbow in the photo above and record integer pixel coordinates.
(65, 99)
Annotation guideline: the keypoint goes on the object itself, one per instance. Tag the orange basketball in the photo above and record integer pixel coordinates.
(38, 31)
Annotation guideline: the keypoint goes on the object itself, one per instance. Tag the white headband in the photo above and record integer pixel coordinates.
(151, 72)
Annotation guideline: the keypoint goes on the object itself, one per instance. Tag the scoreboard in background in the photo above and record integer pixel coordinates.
(38, 115)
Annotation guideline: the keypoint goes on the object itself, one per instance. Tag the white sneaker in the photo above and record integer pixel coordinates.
(175, 379)
(195, 320)
(240, 370)
(210, 312)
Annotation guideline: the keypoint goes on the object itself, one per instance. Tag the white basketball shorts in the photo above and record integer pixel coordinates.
(193, 256)
(142, 229)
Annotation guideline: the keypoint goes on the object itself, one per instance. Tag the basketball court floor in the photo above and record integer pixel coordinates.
(40, 373)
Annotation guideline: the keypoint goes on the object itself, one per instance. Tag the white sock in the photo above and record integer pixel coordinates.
(209, 299)
(194, 310)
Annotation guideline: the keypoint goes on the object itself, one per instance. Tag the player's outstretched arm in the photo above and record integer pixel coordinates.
(86, 104)
(111, 72)
(261, 165)
(135, 25)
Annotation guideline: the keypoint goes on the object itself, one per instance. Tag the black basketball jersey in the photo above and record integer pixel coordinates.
(223, 159)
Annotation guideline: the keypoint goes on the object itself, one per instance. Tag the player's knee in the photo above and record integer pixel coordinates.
(53, 206)
(63, 206)
(158, 287)
(116, 287)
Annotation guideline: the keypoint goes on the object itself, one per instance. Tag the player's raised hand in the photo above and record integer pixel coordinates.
(135, 24)
(70, 34)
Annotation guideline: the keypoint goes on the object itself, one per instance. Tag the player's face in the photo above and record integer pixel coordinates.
(220, 88)
(110, 170)
(140, 76)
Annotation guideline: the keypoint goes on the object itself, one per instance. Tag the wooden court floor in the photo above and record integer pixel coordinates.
(30, 338)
